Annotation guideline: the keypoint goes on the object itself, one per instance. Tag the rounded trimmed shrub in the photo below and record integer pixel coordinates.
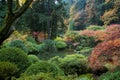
(33, 58)
(18, 44)
(48, 46)
(32, 47)
(16, 56)
(44, 67)
(7, 70)
(60, 44)
(72, 64)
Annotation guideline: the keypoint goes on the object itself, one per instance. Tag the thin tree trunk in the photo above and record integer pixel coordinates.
(48, 21)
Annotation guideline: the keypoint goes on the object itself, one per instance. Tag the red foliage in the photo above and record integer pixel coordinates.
(113, 32)
(112, 28)
(99, 34)
(89, 33)
(107, 51)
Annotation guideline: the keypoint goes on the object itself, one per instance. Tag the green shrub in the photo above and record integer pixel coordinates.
(33, 58)
(72, 64)
(30, 39)
(18, 44)
(60, 44)
(95, 27)
(70, 35)
(55, 60)
(32, 47)
(85, 50)
(41, 76)
(45, 76)
(44, 67)
(58, 39)
(48, 46)
(86, 77)
(85, 41)
(16, 56)
(7, 70)
(110, 76)
(78, 48)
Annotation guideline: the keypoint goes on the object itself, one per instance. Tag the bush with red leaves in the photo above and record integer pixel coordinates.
(113, 32)
(109, 50)
(98, 35)
(105, 52)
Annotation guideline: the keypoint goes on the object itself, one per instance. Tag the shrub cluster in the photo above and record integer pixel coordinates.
(48, 46)
(110, 76)
(72, 64)
(45, 76)
(7, 70)
(16, 56)
(69, 36)
(83, 50)
(18, 44)
(32, 47)
(33, 58)
(43, 67)
(95, 27)
(107, 52)
(85, 41)
(60, 45)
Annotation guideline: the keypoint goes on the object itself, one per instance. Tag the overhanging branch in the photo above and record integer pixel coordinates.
(9, 6)
(23, 8)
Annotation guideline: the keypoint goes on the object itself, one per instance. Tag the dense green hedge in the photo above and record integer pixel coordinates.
(7, 70)
(44, 67)
(33, 58)
(16, 56)
(72, 64)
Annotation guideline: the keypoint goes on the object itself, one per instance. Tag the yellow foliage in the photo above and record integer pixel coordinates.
(21, 2)
(17, 36)
(110, 16)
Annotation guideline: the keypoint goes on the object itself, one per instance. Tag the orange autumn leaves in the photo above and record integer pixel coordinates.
(99, 34)
(109, 50)
(110, 33)
(105, 52)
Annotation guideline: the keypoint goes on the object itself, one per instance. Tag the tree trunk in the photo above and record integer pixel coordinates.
(10, 19)
(7, 30)
(48, 21)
